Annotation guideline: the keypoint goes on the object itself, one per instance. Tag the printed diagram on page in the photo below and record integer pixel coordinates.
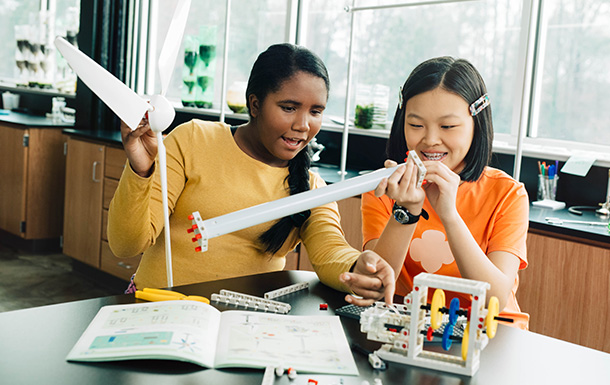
(284, 340)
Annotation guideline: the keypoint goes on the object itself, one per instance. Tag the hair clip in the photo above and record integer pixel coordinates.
(479, 104)
(400, 98)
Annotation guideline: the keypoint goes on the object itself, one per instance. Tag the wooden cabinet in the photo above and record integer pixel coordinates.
(123, 268)
(32, 170)
(93, 170)
(351, 223)
(83, 201)
(565, 290)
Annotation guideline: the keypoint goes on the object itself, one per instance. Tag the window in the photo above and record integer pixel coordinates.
(389, 43)
(571, 99)
(196, 82)
(36, 64)
(13, 14)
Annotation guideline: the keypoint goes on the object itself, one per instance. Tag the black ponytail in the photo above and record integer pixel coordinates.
(298, 181)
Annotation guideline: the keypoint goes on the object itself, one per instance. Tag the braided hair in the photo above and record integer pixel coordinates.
(274, 66)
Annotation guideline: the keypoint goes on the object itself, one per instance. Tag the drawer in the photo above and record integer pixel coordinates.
(110, 186)
(123, 268)
(115, 162)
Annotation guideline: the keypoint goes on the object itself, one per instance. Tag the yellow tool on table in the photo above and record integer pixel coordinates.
(149, 294)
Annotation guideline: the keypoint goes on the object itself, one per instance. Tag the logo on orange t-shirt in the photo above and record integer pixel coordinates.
(431, 250)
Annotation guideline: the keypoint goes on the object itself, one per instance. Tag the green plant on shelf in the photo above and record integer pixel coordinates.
(364, 116)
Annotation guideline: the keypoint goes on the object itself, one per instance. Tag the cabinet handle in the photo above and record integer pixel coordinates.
(95, 172)
(123, 264)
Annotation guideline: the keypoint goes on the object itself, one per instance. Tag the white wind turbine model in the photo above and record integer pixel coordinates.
(131, 107)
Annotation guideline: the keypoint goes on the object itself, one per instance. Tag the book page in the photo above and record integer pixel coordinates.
(178, 330)
(314, 344)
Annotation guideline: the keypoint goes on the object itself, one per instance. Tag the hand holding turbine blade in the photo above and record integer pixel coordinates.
(129, 106)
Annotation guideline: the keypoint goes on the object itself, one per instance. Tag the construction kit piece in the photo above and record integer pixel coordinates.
(268, 376)
(420, 166)
(286, 290)
(376, 362)
(250, 301)
(269, 211)
(403, 329)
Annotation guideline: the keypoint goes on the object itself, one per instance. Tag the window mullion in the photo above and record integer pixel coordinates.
(521, 104)
(538, 69)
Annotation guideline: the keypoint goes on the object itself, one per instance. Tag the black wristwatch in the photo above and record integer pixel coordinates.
(403, 216)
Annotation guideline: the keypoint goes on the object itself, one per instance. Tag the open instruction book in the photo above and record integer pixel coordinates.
(199, 333)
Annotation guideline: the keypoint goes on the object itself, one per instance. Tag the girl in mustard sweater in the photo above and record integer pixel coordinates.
(216, 169)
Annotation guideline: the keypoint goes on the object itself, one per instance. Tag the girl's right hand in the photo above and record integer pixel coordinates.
(401, 186)
(140, 147)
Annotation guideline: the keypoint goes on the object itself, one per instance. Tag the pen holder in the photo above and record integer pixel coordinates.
(547, 187)
(547, 191)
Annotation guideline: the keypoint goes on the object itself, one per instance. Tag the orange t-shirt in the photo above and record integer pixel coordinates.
(496, 210)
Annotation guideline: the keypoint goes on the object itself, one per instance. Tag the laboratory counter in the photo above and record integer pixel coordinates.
(30, 121)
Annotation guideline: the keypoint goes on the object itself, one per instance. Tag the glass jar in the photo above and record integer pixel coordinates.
(381, 96)
(363, 117)
(236, 97)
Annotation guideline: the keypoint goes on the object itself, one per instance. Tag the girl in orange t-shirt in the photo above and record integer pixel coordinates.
(467, 220)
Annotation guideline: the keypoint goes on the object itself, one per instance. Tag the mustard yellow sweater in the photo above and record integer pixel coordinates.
(209, 173)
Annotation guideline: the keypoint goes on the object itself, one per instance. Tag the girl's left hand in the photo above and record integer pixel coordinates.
(441, 188)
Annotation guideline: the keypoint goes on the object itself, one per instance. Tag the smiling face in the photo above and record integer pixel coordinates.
(287, 119)
(439, 127)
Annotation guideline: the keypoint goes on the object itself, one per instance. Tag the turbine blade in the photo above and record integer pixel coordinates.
(172, 44)
(125, 103)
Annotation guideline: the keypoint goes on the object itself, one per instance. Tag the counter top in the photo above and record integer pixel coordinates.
(30, 121)
(538, 221)
(112, 137)
(36, 342)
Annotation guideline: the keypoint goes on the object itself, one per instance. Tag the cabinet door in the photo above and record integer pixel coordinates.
(45, 184)
(565, 290)
(13, 166)
(83, 201)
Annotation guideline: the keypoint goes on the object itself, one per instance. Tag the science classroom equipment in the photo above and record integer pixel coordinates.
(402, 327)
(131, 107)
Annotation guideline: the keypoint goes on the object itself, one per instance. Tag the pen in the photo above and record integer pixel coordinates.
(559, 221)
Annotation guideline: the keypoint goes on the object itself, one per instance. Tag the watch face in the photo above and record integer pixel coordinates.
(401, 216)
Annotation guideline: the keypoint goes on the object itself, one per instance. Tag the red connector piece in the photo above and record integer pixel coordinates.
(323, 306)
